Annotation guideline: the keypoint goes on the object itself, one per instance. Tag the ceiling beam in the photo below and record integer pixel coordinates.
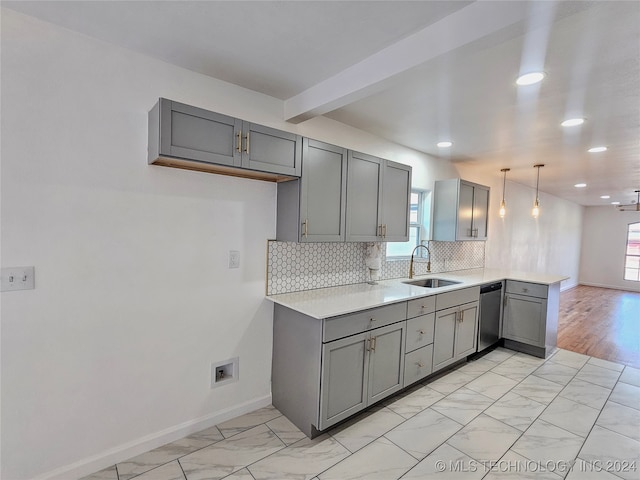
(370, 75)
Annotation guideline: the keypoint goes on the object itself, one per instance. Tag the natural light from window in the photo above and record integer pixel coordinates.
(632, 257)
(418, 213)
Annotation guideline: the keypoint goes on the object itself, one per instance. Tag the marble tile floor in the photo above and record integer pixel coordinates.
(505, 415)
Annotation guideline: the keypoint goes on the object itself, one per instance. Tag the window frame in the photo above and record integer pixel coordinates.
(419, 225)
(631, 228)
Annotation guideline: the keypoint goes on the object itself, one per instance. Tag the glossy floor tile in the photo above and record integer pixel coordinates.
(504, 415)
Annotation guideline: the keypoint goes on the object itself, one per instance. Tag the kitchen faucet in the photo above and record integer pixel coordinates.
(428, 259)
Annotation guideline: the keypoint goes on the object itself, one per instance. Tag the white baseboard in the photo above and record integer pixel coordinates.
(614, 287)
(568, 287)
(130, 449)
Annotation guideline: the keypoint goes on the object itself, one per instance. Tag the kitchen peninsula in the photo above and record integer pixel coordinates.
(338, 350)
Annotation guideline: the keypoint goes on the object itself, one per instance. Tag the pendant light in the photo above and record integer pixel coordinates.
(503, 209)
(536, 205)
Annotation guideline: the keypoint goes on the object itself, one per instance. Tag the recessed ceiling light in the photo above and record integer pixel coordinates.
(580, 185)
(597, 149)
(604, 197)
(572, 122)
(615, 203)
(530, 78)
(444, 144)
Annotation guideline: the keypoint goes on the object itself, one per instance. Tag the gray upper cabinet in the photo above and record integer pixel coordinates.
(193, 133)
(378, 193)
(312, 209)
(364, 199)
(460, 210)
(189, 137)
(270, 150)
(395, 202)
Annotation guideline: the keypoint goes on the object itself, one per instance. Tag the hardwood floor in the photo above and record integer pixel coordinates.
(601, 322)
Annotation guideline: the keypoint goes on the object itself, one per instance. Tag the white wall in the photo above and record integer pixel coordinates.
(603, 248)
(549, 244)
(109, 356)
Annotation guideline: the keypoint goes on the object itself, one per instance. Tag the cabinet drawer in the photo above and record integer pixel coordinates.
(352, 323)
(418, 364)
(421, 306)
(526, 288)
(457, 297)
(420, 331)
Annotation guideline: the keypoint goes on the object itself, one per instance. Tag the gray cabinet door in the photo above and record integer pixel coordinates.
(196, 134)
(345, 369)
(364, 202)
(525, 319)
(396, 193)
(386, 361)
(466, 330)
(465, 212)
(480, 212)
(270, 150)
(323, 192)
(444, 337)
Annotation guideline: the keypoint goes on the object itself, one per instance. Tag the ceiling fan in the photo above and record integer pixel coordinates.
(633, 206)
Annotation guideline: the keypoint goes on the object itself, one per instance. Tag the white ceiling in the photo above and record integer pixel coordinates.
(417, 72)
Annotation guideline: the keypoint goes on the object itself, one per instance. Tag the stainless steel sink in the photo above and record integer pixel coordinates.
(431, 282)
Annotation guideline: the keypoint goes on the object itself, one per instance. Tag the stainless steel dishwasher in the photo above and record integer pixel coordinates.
(489, 317)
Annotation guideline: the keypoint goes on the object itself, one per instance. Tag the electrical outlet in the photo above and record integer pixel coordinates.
(17, 278)
(234, 259)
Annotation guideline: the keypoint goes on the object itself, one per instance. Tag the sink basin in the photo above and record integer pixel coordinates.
(431, 282)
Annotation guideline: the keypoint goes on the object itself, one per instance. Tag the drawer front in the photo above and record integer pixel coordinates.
(457, 297)
(420, 331)
(526, 288)
(421, 306)
(418, 364)
(352, 323)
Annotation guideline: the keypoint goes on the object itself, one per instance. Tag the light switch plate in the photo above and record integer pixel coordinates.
(234, 259)
(17, 278)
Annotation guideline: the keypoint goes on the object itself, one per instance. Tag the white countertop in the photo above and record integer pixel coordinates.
(332, 301)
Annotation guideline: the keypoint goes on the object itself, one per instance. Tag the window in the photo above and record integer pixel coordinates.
(418, 208)
(632, 257)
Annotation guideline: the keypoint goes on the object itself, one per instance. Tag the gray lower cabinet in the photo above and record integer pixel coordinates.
(358, 371)
(378, 195)
(418, 360)
(324, 371)
(313, 208)
(456, 326)
(530, 321)
(186, 136)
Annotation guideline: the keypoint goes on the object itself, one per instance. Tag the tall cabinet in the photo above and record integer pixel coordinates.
(460, 210)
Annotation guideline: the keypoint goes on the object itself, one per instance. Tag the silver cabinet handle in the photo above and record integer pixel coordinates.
(239, 142)
(373, 344)
(373, 319)
(305, 227)
(420, 364)
(421, 332)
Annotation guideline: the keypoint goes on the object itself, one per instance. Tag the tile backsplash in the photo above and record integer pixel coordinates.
(292, 267)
